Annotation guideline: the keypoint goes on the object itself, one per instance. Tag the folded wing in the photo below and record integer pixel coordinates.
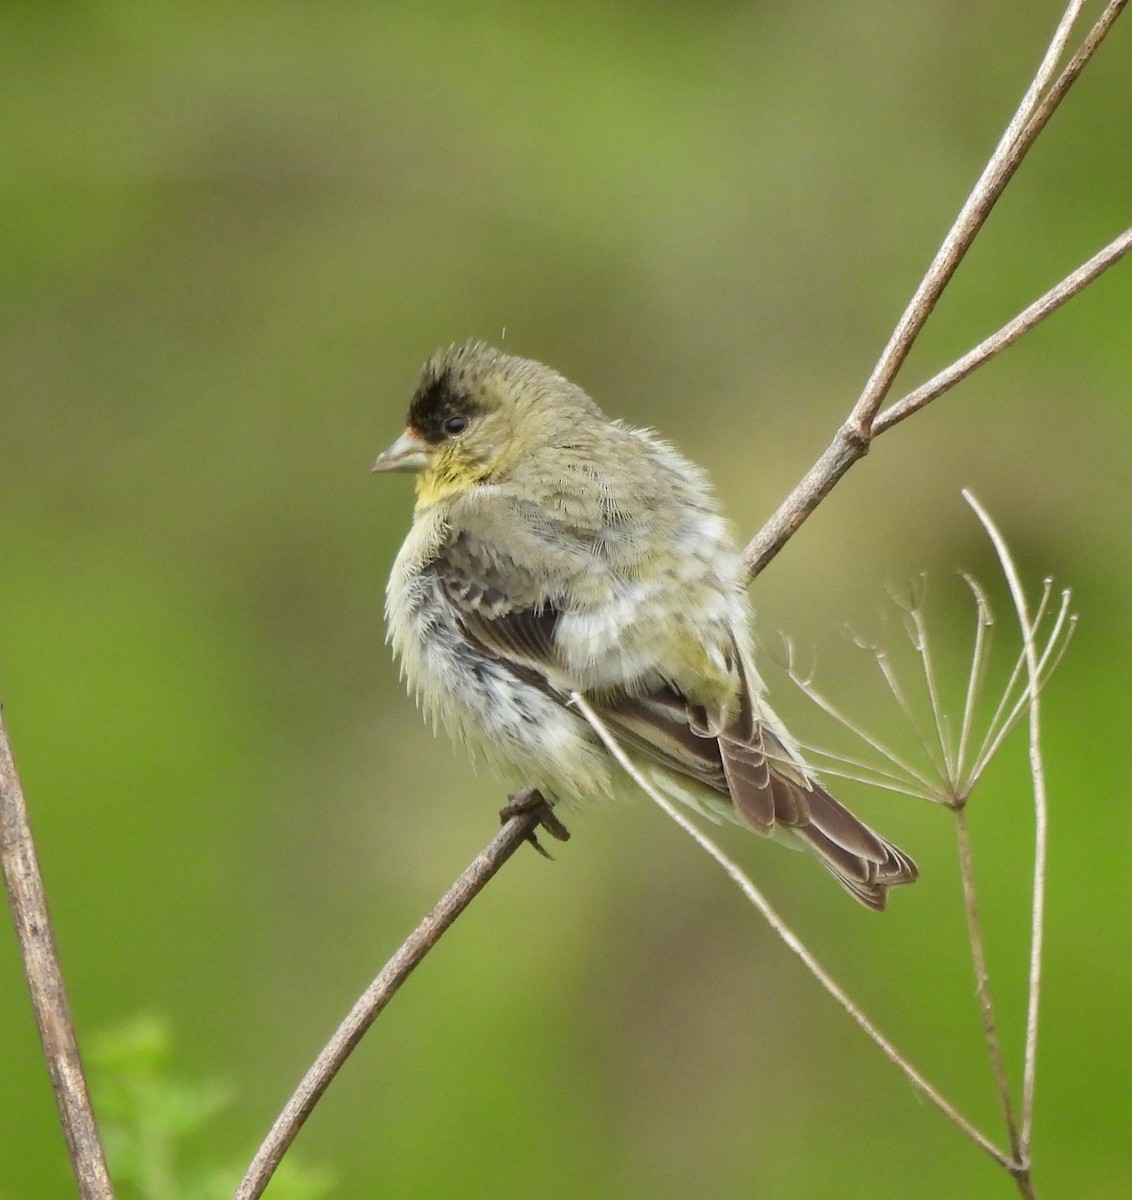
(739, 756)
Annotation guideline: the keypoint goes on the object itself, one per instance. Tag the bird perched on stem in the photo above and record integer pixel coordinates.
(555, 551)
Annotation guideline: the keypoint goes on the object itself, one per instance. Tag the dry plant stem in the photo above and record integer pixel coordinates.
(1057, 642)
(1072, 69)
(1007, 335)
(479, 872)
(927, 667)
(982, 978)
(883, 779)
(958, 791)
(1003, 163)
(45, 982)
(788, 936)
(1041, 821)
(855, 435)
(851, 443)
(980, 657)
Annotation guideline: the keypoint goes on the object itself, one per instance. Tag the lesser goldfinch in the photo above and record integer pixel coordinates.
(554, 551)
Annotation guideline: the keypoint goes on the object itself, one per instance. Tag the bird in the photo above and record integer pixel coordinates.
(553, 552)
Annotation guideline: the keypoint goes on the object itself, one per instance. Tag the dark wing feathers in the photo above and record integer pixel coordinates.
(742, 747)
(526, 634)
(503, 610)
(659, 725)
(514, 621)
(768, 787)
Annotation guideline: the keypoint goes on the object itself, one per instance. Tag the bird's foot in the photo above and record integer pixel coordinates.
(531, 800)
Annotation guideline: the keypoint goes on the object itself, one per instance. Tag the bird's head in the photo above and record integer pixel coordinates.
(475, 413)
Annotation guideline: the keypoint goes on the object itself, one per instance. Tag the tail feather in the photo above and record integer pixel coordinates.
(867, 876)
(749, 759)
(770, 787)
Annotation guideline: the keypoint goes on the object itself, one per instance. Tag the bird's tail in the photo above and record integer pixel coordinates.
(771, 788)
(864, 863)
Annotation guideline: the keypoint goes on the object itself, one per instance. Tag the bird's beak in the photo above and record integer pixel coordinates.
(410, 452)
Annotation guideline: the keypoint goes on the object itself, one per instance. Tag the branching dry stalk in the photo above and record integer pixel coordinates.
(957, 775)
(28, 902)
(855, 436)
(954, 769)
(951, 772)
(851, 443)
(866, 420)
(788, 936)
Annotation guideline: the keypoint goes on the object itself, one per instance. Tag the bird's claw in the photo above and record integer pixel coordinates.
(531, 800)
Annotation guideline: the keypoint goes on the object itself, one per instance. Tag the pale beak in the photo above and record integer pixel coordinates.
(410, 452)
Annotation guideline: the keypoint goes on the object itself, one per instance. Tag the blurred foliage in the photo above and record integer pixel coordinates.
(228, 236)
(151, 1123)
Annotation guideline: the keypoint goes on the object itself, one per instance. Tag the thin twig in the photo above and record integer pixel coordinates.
(850, 443)
(852, 440)
(791, 939)
(1003, 722)
(980, 658)
(996, 174)
(1041, 822)
(1007, 335)
(1072, 70)
(982, 977)
(927, 666)
(45, 982)
(896, 689)
(510, 837)
(827, 706)
(844, 766)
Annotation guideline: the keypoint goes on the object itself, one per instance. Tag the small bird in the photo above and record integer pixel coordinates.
(555, 551)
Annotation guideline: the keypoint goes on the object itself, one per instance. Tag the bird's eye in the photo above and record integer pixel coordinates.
(453, 425)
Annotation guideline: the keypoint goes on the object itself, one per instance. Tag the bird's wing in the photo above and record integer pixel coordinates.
(769, 786)
(513, 620)
(513, 615)
(733, 753)
(662, 726)
(503, 606)
(737, 754)
(745, 759)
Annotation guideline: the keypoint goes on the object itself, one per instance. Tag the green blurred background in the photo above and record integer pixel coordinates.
(229, 234)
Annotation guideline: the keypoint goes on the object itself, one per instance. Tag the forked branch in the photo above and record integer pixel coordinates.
(867, 420)
(855, 436)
